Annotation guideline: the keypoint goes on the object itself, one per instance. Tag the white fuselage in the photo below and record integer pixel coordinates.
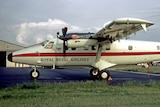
(119, 52)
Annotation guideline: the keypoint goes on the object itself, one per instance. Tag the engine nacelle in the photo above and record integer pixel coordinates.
(77, 43)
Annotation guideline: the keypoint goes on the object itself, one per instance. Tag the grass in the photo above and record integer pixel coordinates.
(81, 94)
(84, 94)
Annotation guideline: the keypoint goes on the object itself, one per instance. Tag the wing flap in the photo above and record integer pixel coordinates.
(144, 27)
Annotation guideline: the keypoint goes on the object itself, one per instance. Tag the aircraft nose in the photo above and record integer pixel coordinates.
(10, 57)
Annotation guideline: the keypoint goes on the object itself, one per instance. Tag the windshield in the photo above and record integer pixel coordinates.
(49, 45)
(43, 43)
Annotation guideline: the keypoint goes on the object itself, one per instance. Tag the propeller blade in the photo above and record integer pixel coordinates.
(64, 31)
(64, 49)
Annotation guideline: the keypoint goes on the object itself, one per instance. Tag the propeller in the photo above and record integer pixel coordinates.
(66, 37)
(64, 31)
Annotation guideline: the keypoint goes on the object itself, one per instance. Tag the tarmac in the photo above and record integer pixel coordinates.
(13, 76)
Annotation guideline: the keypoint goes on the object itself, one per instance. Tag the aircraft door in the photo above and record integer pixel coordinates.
(59, 54)
(53, 51)
(48, 58)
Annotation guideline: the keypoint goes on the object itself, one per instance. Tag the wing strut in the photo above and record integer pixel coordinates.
(99, 63)
(99, 51)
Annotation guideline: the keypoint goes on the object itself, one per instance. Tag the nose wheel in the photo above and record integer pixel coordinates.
(34, 74)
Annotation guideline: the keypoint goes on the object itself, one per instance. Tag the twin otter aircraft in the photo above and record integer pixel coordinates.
(99, 50)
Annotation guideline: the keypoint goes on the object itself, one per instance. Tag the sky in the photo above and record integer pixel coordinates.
(26, 22)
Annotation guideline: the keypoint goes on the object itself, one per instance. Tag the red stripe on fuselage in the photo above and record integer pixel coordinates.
(129, 53)
(54, 54)
(87, 54)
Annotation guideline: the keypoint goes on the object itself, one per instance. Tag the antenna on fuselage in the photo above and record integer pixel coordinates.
(57, 34)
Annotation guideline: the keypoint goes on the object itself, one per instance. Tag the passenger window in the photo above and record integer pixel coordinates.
(49, 45)
(93, 47)
(130, 47)
(86, 48)
(108, 48)
(158, 47)
(73, 48)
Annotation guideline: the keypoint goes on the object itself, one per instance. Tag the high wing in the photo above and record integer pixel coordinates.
(120, 28)
(116, 30)
(111, 31)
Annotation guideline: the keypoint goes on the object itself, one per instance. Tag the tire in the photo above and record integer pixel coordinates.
(94, 73)
(34, 74)
(104, 75)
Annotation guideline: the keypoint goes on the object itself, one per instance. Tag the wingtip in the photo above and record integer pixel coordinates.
(133, 20)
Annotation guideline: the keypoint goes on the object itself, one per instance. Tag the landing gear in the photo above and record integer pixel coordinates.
(100, 75)
(94, 73)
(104, 75)
(34, 74)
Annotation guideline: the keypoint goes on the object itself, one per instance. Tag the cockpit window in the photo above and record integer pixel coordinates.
(49, 45)
(44, 43)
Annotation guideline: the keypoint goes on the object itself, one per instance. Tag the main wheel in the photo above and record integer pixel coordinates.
(104, 75)
(34, 74)
(94, 73)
